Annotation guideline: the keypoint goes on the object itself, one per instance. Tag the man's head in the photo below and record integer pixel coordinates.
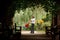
(33, 17)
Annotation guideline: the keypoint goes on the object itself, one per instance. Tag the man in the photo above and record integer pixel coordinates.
(32, 24)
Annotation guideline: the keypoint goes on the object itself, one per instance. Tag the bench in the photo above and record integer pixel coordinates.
(53, 31)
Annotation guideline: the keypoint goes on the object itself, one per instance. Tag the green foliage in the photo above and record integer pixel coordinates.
(33, 7)
(23, 4)
(25, 15)
(48, 17)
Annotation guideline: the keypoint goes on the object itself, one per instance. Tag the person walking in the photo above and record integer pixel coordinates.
(32, 24)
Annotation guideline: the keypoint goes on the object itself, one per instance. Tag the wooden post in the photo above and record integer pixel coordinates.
(59, 35)
(20, 30)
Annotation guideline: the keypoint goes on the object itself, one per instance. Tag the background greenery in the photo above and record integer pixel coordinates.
(41, 9)
(23, 16)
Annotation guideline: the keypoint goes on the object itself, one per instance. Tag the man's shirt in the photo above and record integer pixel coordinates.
(33, 20)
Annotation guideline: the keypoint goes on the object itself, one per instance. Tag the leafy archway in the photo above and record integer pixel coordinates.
(42, 17)
(48, 5)
(8, 8)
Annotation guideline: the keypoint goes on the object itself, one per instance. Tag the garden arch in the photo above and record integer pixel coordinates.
(8, 8)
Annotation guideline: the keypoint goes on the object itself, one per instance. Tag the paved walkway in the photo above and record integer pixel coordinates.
(29, 32)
